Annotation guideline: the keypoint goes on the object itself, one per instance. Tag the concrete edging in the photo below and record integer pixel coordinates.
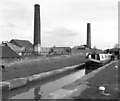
(4, 85)
(91, 74)
(19, 82)
(83, 81)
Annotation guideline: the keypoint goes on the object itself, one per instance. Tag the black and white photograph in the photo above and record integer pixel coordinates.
(59, 50)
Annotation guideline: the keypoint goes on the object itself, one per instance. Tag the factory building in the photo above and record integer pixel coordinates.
(89, 35)
(19, 50)
(25, 45)
(37, 30)
(37, 37)
(7, 52)
(45, 50)
(60, 50)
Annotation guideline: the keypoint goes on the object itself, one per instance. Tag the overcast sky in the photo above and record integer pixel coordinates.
(63, 22)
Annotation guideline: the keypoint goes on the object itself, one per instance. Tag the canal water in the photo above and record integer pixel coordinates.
(41, 89)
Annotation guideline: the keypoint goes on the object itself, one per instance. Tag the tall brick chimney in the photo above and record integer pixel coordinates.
(37, 29)
(89, 35)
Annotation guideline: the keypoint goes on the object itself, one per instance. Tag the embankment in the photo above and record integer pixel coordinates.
(29, 67)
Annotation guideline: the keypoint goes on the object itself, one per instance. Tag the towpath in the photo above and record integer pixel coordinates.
(88, 86)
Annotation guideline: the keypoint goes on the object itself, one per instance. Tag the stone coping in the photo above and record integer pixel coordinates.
(70, 90)
(19, 82)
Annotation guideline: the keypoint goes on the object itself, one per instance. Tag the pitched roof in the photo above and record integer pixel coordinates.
(15, 48)
(114, 49)
(23, 43)
(7, 52)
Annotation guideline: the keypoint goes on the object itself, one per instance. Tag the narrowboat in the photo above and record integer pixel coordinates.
(96, 60)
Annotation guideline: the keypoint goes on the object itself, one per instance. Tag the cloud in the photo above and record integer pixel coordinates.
(60, 37)
(63, 32)
(16, 20)
(66, 20)
(11, 25)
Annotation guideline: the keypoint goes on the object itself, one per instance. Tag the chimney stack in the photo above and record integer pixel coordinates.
(37, 29)
(89, 35)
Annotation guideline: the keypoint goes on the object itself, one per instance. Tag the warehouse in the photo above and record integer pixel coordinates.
(61, 50)
(25, 44)
(7, 52)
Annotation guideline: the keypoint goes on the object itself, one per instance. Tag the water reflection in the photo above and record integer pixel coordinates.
(14, 92)
(37, 94)
(90, 69)
(40, 90)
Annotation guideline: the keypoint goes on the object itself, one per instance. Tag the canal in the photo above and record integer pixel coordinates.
(42, 88)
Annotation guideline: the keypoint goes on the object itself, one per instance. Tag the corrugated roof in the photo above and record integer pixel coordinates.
(7, 52)
(16, 48)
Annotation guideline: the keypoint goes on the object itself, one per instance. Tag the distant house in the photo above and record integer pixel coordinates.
(28, 46)
(7, 52)
(61, 50)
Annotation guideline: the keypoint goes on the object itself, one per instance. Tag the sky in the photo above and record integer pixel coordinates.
(63, 22)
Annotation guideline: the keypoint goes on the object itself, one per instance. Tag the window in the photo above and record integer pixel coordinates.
(102, 57)
(98, 57)
(93, 56)
(105, 56)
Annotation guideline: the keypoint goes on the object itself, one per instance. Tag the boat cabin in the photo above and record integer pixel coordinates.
(99, 56)
(97, 60)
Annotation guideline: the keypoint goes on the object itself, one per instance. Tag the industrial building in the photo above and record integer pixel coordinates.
(45, 50)
(7, 52)
(26, 45)
(25, 48)
(37, 30)
(19, 50)
(88, 35)
(60, 50)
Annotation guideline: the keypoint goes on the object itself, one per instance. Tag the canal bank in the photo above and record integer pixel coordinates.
(68, 87)
(96, 78)
(87, 87)
(19, 82)
(28, 67)
(42, 88)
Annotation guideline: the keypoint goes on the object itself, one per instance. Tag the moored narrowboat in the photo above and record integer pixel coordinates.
(97, 60)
